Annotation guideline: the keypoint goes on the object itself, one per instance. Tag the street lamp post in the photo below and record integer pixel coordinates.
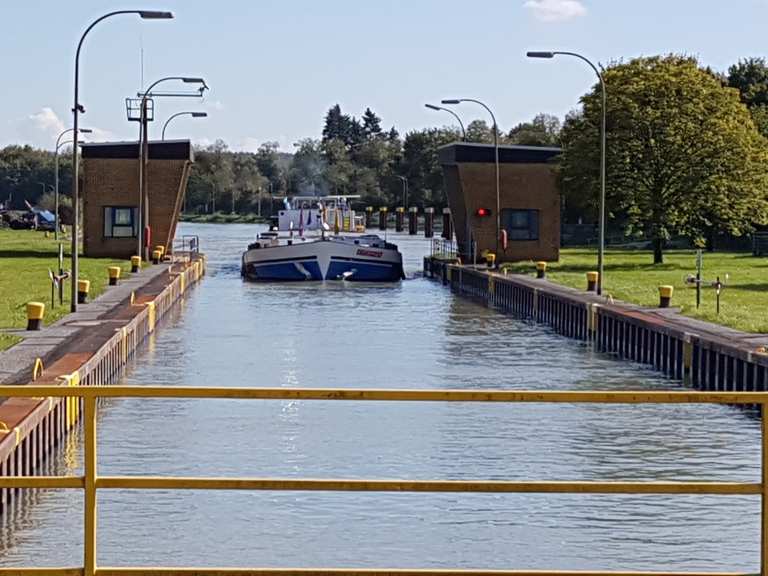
(143, 224)
(193, 114)
(466, 209)
(59, 144)
(90, 552)
(405, 190)
(496, 161)
(458, 118)
(601, 210)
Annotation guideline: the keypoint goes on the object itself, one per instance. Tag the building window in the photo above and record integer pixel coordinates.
(520, 224)
(120, 222)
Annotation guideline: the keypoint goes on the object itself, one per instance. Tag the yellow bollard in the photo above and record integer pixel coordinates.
(35, 313)
(490, 260)
(160, 248)
(541, 269)
(156, 256)
(83, 287)
(592, 281)
(114, 275)
(135, 264)
(665, 295)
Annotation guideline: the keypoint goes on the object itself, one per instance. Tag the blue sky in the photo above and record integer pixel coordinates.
(275, 67)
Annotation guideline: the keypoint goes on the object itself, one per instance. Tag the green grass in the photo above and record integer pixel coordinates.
(630, 276)
(25, 258)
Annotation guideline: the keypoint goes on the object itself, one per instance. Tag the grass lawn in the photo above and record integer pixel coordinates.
(25, 258)
(631, 276)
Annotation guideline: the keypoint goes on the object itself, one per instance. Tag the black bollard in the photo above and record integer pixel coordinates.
(429, 222)
(413, 220)
(399, 218)
(383, 218)
(369, 217)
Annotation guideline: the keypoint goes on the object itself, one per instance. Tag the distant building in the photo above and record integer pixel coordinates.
(529, 199)
(110, 191)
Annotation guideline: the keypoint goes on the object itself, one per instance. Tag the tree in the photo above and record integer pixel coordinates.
(307, 169)
(422, 167)
(371, 123)
(479, 131)
(268, 163)
(750, 78)
(684, 156)
(543, 130)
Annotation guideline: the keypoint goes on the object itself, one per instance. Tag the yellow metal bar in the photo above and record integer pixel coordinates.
(42, 482)
(346, 485)
(381, 572)
(41, 571)
(90, 466)
(409, 395)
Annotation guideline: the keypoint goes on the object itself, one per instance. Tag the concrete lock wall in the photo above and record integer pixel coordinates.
(111, 179)
(527, 182)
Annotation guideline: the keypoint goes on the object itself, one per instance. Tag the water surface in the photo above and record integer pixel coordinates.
(413, 334)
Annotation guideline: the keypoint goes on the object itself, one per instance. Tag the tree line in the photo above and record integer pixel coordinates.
(687, 156)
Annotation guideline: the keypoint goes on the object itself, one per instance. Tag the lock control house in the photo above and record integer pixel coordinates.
(529, 200)
(111, 199)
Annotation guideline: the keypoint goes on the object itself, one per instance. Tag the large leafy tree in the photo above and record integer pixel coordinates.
(268, 163)
(422, 167)
(543, 130)
(684, 157)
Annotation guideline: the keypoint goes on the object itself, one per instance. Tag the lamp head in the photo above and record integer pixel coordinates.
(155, 15)
(85, 130)
(540, 54)
(432, 106)
(194, 80)
(199, 114)
(451, 101)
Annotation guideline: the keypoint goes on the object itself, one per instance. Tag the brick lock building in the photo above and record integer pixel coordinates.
(529, 199)
(110, 191)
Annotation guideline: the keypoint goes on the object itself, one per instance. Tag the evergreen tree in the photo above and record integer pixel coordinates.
(371, 123)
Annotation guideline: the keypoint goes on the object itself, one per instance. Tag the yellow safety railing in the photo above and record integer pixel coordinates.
(91, 482)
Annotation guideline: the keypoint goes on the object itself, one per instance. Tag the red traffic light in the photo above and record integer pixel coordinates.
(483, 212)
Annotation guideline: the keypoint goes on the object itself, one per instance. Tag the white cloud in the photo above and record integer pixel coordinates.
(46, 122)
(555, 10)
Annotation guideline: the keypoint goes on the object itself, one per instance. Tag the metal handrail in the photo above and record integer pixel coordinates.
(443, 248)
(90, 482)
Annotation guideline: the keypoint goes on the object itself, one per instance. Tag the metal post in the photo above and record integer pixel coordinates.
(601, 210)
(405, 190)
(764, 494)
(601, 252)
(140, 211)
(76, 108)
(90, 468)
(56, 193)
(193, 114)
(496, 161)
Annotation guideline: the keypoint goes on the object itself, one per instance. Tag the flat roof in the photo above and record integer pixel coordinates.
(464, 152)
(158, 150)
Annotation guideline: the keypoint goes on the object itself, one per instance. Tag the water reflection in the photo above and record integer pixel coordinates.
(415, 334)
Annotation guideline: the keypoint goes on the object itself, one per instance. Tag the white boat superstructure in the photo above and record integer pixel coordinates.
(301, 247)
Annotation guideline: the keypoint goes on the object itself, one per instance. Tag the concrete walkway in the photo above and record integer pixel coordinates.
(17, 362)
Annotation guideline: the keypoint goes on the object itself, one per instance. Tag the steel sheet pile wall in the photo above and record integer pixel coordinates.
(44, 423)
(705, 356)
